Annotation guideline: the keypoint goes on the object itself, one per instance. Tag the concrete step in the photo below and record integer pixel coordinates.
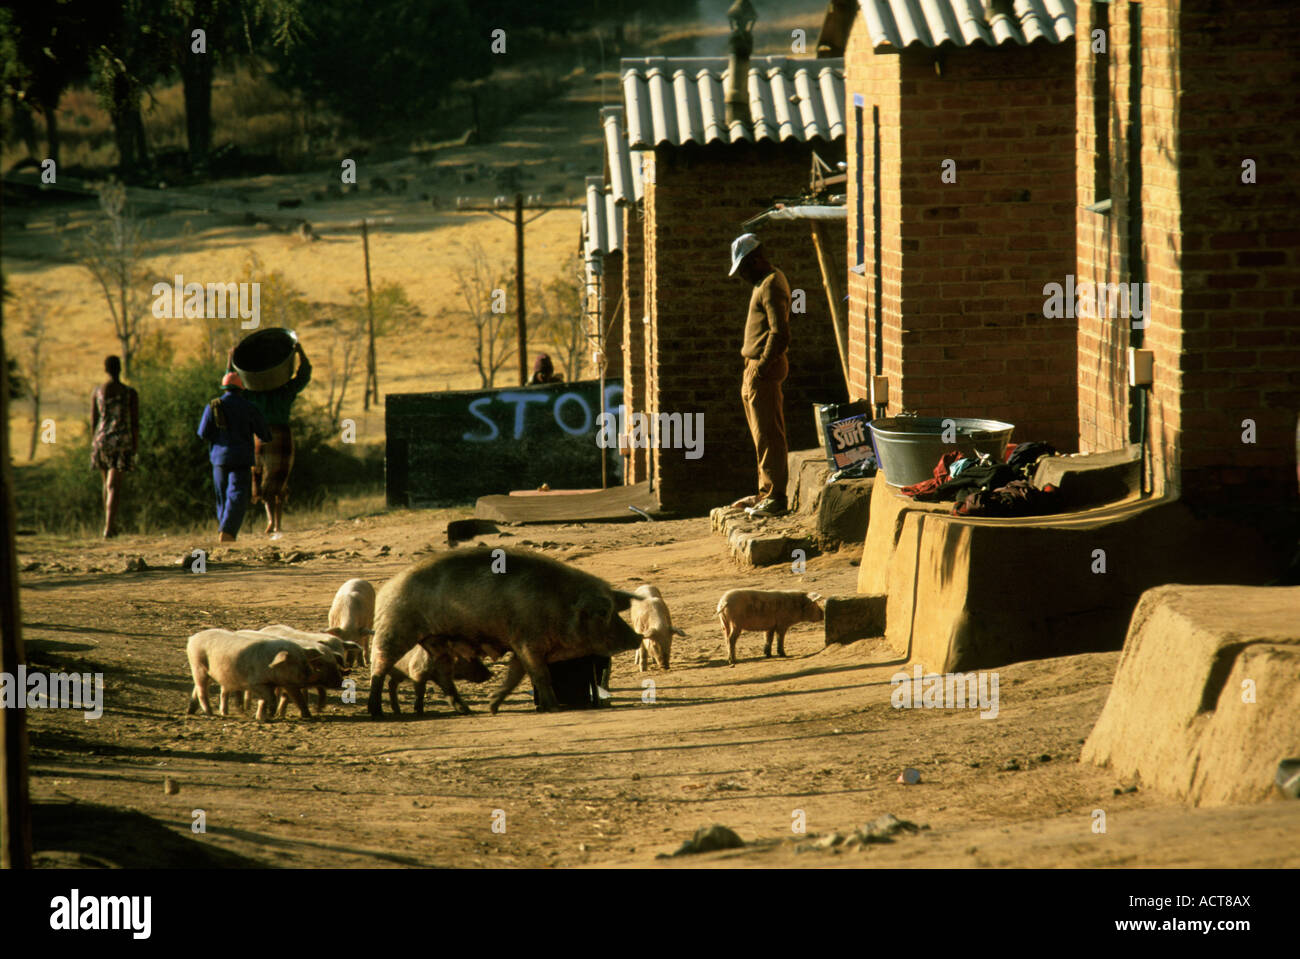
(761, 542)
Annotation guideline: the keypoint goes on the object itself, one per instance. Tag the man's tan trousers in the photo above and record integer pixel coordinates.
(763, 409)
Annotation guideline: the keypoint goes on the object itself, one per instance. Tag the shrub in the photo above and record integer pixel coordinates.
(171, 486)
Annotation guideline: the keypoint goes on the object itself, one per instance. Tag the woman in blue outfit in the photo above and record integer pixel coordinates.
(229, 424)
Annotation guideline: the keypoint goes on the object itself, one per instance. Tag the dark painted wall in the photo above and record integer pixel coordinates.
(452, 447)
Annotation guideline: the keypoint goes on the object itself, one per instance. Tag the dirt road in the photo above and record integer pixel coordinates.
(752, 747)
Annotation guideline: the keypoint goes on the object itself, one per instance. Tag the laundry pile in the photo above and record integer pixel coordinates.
(977, 486)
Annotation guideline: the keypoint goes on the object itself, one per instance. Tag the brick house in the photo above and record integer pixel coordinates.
(701, 179)
(1186, 139)
(1199, 168)
(960, 134)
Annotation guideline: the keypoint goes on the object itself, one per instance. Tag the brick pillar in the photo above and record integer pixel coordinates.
(634, 339)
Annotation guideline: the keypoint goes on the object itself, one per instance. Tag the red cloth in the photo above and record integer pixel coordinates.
(940, 475)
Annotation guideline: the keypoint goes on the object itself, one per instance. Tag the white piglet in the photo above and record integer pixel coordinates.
(771, 611)
(343, 651)
(352, 614)
(259, 663)
(650, 618)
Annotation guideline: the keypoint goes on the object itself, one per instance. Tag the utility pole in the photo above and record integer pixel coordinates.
(372, 377)
(521, 315)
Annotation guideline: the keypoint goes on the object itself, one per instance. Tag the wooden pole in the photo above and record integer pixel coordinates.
(372, 377)
(830, 280)
(521, 317)
(15, 811)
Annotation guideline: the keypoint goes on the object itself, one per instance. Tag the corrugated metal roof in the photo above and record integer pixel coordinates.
(901, 23)
(602, 221)
(681, 100)
(624, 165)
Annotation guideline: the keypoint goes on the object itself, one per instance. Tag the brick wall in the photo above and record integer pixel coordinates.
(1240, 69)
(1222, 256)
(963, 264)
(695, 202)
(876, 79)
(634, 330)
(611, 309)
(650, 292)
(1102, 239)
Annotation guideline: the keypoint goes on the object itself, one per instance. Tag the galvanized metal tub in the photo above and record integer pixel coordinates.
(264, 360)
(908, 447)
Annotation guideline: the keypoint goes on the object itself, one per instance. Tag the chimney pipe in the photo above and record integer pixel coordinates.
(742, 16)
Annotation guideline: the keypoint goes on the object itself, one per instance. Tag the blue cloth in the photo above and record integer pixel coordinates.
(233, 486)
(233, 446)
(955, 469)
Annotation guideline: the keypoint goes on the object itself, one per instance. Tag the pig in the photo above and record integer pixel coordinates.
(352, 613)
(772, 611)
(496, 601)
(342, 650)
(257, 662)
(419, 666)
(331, 642)
(650, 618)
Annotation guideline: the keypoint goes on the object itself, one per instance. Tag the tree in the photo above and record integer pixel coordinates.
(44, 48)
(482, 287)
(129, 56)
(113, 251)
(31, 359)
(344, 348)
(347, 344)
(393, 61)
(227, 25)
(557, 308)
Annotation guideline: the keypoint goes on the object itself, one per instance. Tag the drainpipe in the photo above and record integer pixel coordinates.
(741, 16)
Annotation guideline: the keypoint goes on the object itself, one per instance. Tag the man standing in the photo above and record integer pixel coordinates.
(767, 335)
(229, 424)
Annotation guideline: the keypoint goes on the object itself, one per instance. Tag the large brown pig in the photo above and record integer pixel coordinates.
(494, 600)
(257, 662)
(769, 610)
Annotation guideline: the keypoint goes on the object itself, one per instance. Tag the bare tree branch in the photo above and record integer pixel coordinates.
(482, 289)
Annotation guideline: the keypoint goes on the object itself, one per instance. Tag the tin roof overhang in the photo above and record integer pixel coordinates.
(682, 100)
(902, 23)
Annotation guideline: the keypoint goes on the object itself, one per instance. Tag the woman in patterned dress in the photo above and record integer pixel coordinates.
(115, 425)
(275, 458)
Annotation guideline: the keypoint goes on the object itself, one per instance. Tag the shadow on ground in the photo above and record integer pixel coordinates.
(87, 835)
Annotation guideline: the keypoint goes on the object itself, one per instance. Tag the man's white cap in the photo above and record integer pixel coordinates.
(741, 247)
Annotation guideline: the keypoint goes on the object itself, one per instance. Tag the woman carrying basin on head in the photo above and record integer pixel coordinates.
(275, 457)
